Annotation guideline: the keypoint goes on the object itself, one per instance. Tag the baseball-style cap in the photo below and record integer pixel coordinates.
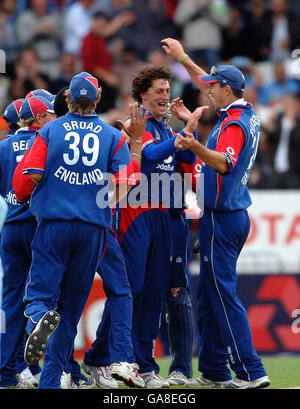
(225, 74)
(83, 85)
(35, 105)
(40, 92)
(11, 112)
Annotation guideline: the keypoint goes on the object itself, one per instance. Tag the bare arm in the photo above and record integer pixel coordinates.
(175, 50)
(36, 177)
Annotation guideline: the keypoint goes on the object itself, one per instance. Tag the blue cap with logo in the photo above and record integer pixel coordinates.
(227, 75)
(11, 112)
(83, 85)
(35, 105)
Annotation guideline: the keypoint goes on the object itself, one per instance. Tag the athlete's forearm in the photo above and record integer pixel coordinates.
(157, 152)
(35, 177)
(136, 151)
(215, 160)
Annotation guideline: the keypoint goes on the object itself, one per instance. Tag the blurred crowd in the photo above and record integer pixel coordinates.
(47, 41)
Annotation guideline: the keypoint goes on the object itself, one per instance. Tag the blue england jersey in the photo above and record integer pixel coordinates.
(80, 152)
(229, 191)
(12, 150)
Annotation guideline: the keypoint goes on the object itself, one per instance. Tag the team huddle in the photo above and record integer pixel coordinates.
(69, 178)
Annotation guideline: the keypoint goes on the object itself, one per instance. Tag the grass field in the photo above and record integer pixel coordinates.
(283, 371)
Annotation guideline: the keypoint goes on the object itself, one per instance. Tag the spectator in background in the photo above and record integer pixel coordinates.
(40, 29)
(77, 23)
(8, 37)
(201, 22)
(284, 142)
(273, 91)
(248, 67)
(254, 13)
(28, 75)
(68, 68)
(235, 36)
(148, 28)
(171, 30)
(280, 32)
(126, 69)
(97, 60)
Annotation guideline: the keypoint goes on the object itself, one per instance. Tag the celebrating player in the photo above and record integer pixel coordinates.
(68, 166)
(146, 230)
(16, 238)
(227, 161)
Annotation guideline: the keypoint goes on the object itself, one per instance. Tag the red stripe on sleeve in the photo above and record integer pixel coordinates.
(130, 174)
(119, 144)
(147, 138)
(231, 142)
(22, 184)
(36, 158)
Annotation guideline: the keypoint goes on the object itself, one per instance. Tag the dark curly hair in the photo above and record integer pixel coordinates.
(144, 78)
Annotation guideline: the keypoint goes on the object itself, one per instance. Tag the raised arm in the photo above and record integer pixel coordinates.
(175, 50)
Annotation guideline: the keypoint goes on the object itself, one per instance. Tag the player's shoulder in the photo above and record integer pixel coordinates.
(4, 143)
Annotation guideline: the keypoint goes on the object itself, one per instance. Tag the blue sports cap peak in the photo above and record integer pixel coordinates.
(227, 75)
(83, 85)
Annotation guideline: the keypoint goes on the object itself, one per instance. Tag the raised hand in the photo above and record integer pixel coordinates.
(179, 110)
(194, 118)
(135, 127)
(173, 48)
(189, 142)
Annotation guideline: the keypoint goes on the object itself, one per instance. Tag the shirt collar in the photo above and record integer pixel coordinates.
(28, 128)
(240, 101)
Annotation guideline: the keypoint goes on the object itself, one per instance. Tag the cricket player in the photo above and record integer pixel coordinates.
(227, 160)
(70, 162)
(23, 186)
(111, 356)
(146, 231)
(16, 239)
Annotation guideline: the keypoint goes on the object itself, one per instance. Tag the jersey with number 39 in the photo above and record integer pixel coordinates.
(75, 154)
(236, 135)
(12, 150)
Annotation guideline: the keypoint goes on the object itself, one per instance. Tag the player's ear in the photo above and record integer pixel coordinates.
(99, 93)
(38, 118)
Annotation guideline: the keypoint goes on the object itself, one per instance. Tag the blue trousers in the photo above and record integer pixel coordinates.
(16, 241)
(65, 258)
(181, 319)
(113, 338)
(225, 334)
(146, 243)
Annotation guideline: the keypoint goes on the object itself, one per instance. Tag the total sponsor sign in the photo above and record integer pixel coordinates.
(273, 244)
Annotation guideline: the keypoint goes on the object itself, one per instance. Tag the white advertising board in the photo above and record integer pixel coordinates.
(273, 244)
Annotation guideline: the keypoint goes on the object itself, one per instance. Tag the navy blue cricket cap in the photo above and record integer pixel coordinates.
(227, 75)
(83, 85)
(11, 112)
